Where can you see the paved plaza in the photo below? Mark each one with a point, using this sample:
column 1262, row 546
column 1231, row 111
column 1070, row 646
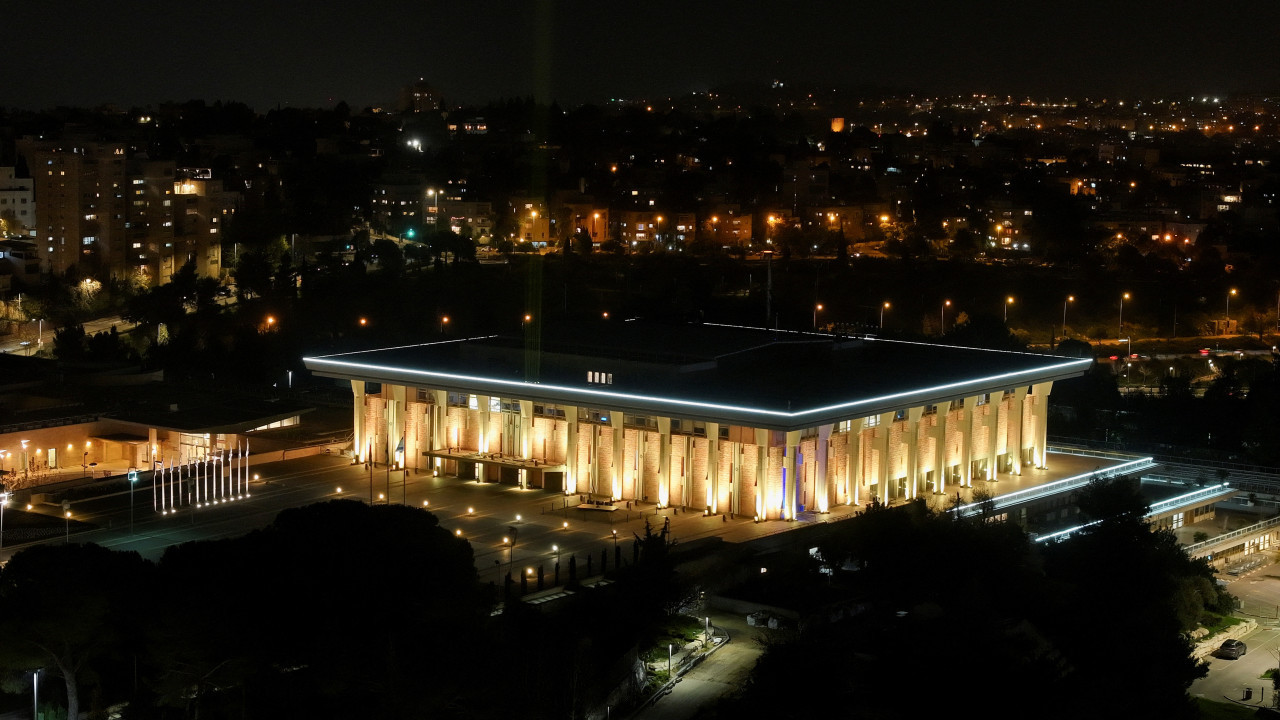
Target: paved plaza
column 484, row 513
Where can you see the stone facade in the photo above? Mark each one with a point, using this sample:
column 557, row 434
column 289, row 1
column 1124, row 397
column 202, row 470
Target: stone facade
column 702, row 464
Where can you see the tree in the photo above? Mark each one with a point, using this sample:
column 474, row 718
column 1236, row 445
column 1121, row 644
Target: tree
column 983, row 331
column 69, row 343
column 71, row 608
column 389, row 257
column 253, row 275
column 333, row 551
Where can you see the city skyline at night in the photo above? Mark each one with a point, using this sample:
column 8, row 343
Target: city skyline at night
column 576, row 52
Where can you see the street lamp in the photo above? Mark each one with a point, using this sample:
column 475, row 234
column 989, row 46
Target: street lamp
column 66, row 519
column 816, row 309
column 942, row 329
column 1070, row 299
column 444, row 320
column 4, row 500
column 883, row 307
column 1122, row 299
column 1007, row 302
column 1233, row 292
column 133, row 479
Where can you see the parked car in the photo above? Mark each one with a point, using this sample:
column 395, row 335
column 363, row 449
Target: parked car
column 1231, row 649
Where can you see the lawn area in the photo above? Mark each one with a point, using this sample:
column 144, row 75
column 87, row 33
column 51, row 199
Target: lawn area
column 1210, row 710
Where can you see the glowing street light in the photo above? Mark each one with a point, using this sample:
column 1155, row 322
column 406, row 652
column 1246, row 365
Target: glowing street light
column 444, row 320
column 133, row 480
column 4, row 500
column 883, row 307
column 942, row 328
column 1007, row 302
column 1070, row 299
column 1233, row 292
column 816, row 309
column 1120, row 331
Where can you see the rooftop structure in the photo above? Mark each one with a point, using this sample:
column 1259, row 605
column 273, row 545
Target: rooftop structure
column 714, row 417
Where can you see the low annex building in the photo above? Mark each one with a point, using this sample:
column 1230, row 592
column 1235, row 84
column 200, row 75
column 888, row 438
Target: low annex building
column 717, row 418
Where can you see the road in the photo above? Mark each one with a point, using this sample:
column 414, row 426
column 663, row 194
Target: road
column 722, row 673
column 13, row 343
column 1227, row 679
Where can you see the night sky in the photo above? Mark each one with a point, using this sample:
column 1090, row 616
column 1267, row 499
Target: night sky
column 265, row 52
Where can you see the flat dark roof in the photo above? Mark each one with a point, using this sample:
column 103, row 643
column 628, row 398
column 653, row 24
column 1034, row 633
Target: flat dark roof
column 774, row 379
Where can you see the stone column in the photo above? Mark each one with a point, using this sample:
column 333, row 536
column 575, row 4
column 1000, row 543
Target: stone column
column 913, row 460
column 713, row 466
column 762, row 474
column 992, row 423
column 619, row 448
column 821, row 491
column 439, row 423
column 1014, row 423
column 395, row 420
column 572, row 471
column 526, row 428
column 882, row 449
column 940, row 446
column 791, row 482
column 966, row 441
column 358, row 441
column 664, row 461
column 853, row 463
column 1040, row 412
column 484, row 417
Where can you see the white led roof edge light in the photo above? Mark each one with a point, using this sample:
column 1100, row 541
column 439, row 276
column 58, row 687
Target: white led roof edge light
column 875, row 338
column 1064, row 534
column 327, row 360
column 1053, row 488
column 403, row 347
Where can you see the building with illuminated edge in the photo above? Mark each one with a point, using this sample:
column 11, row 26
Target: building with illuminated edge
column 716, row 418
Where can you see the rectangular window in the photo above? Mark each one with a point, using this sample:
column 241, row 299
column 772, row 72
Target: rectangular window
column 553, row 411
column 495, row 404
column 871, row 421
column 640, row 421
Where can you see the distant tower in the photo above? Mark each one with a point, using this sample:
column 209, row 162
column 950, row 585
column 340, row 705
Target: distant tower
column 419, row 97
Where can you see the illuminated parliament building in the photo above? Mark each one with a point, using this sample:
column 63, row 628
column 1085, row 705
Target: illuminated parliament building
column 713, row 418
